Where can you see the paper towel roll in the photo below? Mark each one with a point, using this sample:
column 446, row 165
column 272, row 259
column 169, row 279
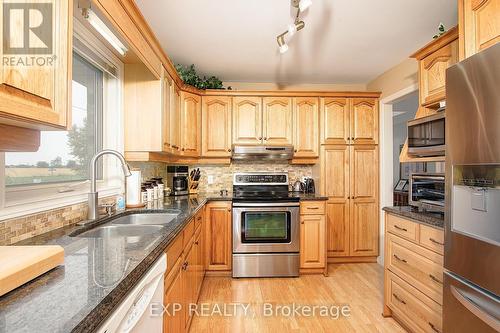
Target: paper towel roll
column 133, row 192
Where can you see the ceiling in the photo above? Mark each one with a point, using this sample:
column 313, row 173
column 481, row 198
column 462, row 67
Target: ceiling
column 344, row 41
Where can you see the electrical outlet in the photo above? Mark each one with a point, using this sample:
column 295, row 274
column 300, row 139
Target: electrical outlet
column 210, row 179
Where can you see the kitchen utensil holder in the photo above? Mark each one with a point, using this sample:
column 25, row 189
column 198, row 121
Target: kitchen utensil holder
column 193, row 186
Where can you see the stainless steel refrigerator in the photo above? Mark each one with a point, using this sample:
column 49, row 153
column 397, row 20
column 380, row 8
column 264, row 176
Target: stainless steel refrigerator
column 472, row 213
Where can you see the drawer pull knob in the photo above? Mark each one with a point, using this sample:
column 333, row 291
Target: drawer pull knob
column 435, row 241
column 434, row 328
column 400, row 228
column 196, row 243
column 398, row 299
column 398, row 258
column 435, row 278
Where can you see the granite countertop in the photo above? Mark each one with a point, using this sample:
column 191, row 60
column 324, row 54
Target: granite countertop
column 432, row 219
column 213, row 196
column 79, row 295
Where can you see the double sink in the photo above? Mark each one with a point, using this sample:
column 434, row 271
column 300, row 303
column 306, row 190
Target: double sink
column 132, row 225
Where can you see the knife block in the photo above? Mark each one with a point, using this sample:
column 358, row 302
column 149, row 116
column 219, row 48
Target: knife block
column 193, row 186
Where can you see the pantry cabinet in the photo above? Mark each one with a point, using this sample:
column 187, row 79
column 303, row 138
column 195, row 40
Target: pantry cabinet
column 216, row 126
column 277, row 121
column 306, row 124
column 190, row 124
column 35, row 88
column 364, row 121
column 335, row 121
column 247, row 120
column 479, row 24
column 218, row 224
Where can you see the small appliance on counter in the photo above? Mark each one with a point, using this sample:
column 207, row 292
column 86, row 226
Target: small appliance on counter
column 177, row 179
column 309, row 185
column 426, row 191
column 298, row 186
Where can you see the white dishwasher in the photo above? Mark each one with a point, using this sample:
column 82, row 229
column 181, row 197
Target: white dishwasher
column 134, row 313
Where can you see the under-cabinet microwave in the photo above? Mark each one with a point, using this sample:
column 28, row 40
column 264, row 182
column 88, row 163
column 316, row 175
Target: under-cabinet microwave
column 426, row 136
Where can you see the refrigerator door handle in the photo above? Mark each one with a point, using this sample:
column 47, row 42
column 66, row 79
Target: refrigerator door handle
column 490, row 319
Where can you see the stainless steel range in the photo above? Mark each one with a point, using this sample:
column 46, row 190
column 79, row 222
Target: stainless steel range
column 265, row 226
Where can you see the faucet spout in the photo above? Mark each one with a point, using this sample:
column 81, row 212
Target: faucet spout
column 94, row 195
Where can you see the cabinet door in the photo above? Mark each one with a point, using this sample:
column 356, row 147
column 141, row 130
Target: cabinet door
column 198, row 243
column 312, row 241
column 335, row 169
column 364, row 201
column 35, row 77
column 190, row 124
column 277, row 120
column 334, row 121
column 247, row 120
column 218, row 233
column 216, row 127
column 189, row 283
column 433, row 73
column 364, row 121
column 175, row 119
column 167, row 104
column 479, row 23
column 174, row 320
column 306, row 138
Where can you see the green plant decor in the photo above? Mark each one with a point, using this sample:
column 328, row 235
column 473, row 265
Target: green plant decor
column 441, row 31
column 189, row 76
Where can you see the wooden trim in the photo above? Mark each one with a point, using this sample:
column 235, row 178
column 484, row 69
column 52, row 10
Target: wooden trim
column 285, row 93
column 304, row 161
column 219, row 273
column 304, row 271
column 19, row 139
column 436, row 44
column 341, row 260
column 139, row 156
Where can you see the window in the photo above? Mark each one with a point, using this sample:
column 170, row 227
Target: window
column 64, row 155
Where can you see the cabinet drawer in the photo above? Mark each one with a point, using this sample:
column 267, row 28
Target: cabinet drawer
column 174, row 251
column 198, row 219
column 401, row 227
column 432, row 238
column 312, row 208
column 188, row 233
column 421, row 268
column 414, row 309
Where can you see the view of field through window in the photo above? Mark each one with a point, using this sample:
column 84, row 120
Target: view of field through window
column 64, row 155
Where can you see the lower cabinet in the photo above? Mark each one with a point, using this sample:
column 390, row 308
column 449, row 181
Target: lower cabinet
column 312, row 237
column 218, row 249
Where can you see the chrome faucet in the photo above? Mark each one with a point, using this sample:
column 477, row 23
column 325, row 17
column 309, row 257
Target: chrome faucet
column 93, row 210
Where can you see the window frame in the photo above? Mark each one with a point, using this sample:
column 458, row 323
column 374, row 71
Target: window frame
column 21, row 200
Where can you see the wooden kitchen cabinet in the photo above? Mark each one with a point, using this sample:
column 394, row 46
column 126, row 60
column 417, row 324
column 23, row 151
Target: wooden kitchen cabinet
column 364, row 121
column 247, row 120
column 167, row 95
column 175, row 119
column 38, row 97
column 479, row 25
column 218, row 221
column 312, row 241
column 306, row 134
column 190, row 124
column 335, row 121
column 216, row 126
column 277, row 120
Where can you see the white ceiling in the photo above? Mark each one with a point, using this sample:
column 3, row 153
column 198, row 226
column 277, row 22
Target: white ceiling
column 344, row 41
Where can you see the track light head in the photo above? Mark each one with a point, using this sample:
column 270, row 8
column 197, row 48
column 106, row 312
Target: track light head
column 304, row 4
column 282, row 44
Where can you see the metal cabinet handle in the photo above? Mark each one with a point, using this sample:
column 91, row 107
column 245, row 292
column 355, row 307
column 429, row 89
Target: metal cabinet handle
column 174, row 146
column 400, row 228
column 434, row 328
column 435, row 278
column 260, row 138
column 229, row 150
column 196, row 243
column 398, row 258
column 312, row 207
column 435, row 241
column 265, row 138
column 398, row 299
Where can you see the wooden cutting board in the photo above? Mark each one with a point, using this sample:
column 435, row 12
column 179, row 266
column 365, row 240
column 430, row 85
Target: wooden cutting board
column 20, row 264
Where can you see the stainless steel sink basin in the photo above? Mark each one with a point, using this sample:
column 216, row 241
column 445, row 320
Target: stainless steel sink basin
column 146, row 219
column 117, row 231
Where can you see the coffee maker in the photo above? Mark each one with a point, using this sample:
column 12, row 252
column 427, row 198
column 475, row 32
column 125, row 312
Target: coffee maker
column 177, row 179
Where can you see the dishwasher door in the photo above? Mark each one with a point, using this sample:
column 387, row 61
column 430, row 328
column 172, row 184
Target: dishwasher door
column 134, row 314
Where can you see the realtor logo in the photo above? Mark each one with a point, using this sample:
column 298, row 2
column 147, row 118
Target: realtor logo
column 27, row 28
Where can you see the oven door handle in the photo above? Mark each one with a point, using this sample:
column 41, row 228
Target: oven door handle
column 266, row 204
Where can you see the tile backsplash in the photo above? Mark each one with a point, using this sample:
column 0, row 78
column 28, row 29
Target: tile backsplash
column 150, row 169
column 223, row 174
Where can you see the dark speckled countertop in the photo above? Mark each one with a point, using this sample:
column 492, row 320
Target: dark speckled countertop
column 432, row 219
column 79, row 295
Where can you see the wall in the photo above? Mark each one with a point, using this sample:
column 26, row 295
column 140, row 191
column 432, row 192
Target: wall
column 294, row 87
column 223, row 174
column 395, row 79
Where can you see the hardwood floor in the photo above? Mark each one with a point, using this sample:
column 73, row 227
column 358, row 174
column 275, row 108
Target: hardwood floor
column 357, row 286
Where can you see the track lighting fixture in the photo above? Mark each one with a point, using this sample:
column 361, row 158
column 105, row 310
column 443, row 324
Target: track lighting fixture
column 297, row 25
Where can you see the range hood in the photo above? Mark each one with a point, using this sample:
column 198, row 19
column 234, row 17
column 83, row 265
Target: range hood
column 262, row 153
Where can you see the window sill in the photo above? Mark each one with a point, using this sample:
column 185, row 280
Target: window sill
column 19, row 208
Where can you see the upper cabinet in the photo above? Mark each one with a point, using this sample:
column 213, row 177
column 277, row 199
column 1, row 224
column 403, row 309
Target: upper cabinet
column 167, row 93
column 277, row 120
column 306, row 136
column 190, row 124
column 247, row 120
column 433, row 60
column 175, row 119
column 479, row 22
column 349, row 121
column 216, row 126
column 35, row 80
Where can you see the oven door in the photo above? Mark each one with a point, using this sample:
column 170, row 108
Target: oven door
column 266, row 229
